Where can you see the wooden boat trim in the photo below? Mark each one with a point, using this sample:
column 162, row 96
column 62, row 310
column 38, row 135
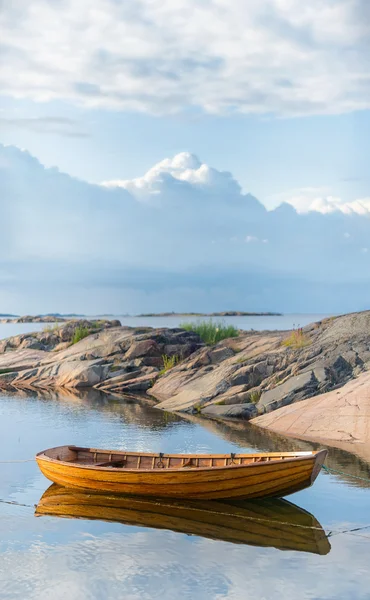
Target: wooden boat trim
column 247, row 475
column 268, row 459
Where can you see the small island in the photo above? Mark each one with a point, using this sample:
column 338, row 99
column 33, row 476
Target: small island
column 227, row 313
column 49, row 318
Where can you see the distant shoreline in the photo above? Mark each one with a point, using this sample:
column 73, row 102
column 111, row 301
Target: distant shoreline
column 230, row 313
column 58, row 318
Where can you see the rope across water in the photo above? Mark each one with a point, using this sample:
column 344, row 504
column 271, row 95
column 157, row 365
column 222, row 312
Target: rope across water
column 330, row 533
column 258, row 519
column 336, row 471
column 5, row 462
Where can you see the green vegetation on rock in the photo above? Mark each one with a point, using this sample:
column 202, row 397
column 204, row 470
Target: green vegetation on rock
column 168, row 363
column 297, row 339
column 211, row 332
column 255, row 397
column 80, row 333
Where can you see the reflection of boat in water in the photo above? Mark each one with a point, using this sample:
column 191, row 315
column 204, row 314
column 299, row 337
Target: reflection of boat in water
column 267, row 523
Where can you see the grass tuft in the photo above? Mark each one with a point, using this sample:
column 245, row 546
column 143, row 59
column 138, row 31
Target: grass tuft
column 168, row 363
column 255, row 397
column 50, row 328
column 211, row 332
column 80, row 333
column 98, row 324
column 297, row 339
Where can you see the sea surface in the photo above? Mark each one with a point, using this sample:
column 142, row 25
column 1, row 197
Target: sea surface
column 51, row 557
column 283, row 322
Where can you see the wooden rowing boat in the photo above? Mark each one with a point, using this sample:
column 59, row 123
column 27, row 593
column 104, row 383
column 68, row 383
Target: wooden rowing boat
column 270, row 523
column 195, row 476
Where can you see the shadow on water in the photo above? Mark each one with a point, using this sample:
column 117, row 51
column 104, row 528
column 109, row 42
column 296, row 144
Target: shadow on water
column 242, row 433
column 266, row 523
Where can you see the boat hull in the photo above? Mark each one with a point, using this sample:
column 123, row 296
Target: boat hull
column 276, row 478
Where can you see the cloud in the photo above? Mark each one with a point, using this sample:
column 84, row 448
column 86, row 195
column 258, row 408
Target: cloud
column 52, row 125
column 177, row 176
column 330, row 205
column 181, row 237
column 166, row 56
column 82, row 559
column 320, row 200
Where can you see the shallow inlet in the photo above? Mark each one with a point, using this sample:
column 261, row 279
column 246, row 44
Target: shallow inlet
column 80, row 554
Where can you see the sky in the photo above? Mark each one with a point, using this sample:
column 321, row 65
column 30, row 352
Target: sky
column 215, row 155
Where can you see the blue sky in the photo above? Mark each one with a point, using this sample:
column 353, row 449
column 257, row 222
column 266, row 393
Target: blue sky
column 269, row 157
column 181, row 109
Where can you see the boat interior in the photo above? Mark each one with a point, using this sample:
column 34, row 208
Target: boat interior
column 148, row 461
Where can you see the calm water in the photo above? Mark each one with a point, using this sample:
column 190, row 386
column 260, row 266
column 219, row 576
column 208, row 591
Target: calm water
column 257, row 323
column 79, row 559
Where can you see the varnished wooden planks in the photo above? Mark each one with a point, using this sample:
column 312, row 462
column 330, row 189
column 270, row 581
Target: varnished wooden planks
column 251, row 476
column 186, row 476
column 244, row 488
column 276, row 475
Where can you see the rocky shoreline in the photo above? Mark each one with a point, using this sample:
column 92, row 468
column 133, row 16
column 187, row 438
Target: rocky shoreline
column 57, row 318
column 239, row 378
column 36, row 319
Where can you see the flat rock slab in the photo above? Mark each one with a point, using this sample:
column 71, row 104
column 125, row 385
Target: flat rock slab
column 286, row 392
column 340, row 417
column 211, row 373
column 22, row 359
column 231, row 411
column 96, row 345
column 124, row 359
column 69, row 374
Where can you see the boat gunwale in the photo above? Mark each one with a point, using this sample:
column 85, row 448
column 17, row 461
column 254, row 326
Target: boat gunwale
column 290, row 457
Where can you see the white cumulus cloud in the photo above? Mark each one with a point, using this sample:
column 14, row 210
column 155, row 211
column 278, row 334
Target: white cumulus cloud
column 284, row 57
column 181, row 233
column 321, row 200
column 184, row 168
column 330, row 205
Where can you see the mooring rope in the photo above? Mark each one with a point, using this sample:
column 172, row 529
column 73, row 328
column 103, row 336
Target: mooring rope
column 4, row 462
column 15, row 503
column 329, row 533
column 245, row 517
column 352, row 531
column 330, row 470
column 222, row 514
